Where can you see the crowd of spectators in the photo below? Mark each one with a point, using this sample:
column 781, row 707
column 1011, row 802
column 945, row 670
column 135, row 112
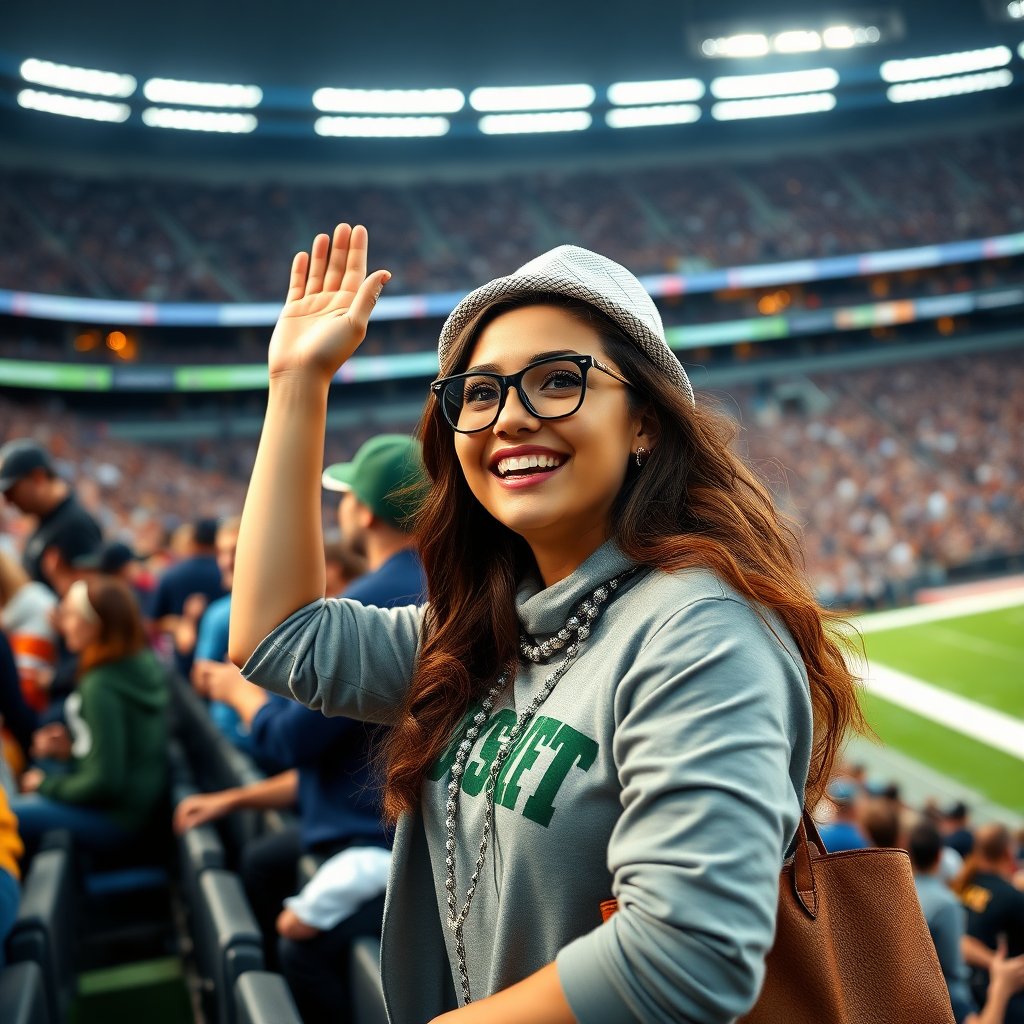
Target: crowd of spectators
column 172, row 241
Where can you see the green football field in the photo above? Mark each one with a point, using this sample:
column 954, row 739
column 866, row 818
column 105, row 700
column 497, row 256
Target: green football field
column 980, row 657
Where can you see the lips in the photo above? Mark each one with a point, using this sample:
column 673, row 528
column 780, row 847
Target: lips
column 525, row 461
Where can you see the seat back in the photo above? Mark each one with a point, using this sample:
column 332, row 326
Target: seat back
column 231, row 941
column 367, row 991
column 22, row 994
column 44, row 931
column 263, row 998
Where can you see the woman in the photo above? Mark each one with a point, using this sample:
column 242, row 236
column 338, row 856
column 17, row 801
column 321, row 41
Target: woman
column 620, row 688
column 26, row 617
column 117, row 731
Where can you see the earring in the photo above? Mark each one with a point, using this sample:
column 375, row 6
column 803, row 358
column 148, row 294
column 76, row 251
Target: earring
column 641, row 456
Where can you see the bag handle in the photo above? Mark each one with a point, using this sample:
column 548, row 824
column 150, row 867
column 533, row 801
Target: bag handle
column 803, row 864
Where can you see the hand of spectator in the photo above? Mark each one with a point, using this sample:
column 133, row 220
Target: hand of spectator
column 193, row 608
column 32, row 780
column 224, row 682
column 328, row 305
column 1006, row 974
column 203, row 670
column 291, row 926
column 53, row 741
column 200, row 808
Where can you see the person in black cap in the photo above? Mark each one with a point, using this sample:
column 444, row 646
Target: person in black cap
column 65, row 532
column 115, row 558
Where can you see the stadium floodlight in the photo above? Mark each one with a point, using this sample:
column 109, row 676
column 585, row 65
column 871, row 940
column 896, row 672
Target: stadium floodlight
column 736, row 87
column 522, row 124
column 748, row 44
column 1015, row 10
column 797, row 41
column 381, row 127
column 73, row 106
column 63, row 76
column 202, row 94
column 644, row 117
column 677, row 90
column 773, row 106
column 532, row 97
column 389, row 101
column 199, row 120
column 843, row 37
column 960, row 85
column 913, row 68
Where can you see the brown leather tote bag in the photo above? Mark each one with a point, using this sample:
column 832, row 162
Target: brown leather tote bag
column 851, row 944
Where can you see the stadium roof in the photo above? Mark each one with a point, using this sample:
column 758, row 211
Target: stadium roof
column 288, row 51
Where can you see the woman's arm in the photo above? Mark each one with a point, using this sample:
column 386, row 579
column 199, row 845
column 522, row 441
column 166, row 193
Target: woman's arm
column 538, row 999
column 279, row 565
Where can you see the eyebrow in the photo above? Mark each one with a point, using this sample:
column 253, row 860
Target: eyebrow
column 493, row 367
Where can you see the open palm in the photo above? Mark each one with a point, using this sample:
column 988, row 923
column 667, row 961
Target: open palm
column 328, row 306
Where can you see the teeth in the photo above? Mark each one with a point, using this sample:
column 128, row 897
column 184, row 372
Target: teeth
column 513, row 465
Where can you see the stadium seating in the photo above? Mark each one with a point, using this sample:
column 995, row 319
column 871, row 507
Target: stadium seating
column 44, row 932
column 23, row 995
column 367, row 992
column 263, row 998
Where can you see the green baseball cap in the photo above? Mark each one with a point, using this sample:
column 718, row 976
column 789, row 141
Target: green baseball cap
column 386, row 475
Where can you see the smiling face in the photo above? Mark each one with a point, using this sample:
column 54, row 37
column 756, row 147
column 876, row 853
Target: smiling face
column 551, row 481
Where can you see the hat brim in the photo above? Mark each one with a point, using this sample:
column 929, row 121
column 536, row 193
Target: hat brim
column 338, row 477
column 6, row 483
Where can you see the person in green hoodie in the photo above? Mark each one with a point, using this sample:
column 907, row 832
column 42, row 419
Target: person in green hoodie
column 116, row 733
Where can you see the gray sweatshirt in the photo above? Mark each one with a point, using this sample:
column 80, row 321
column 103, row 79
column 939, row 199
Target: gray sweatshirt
column 666, row 769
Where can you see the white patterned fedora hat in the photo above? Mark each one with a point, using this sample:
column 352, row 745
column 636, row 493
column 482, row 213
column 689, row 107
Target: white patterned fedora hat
column 590, row 277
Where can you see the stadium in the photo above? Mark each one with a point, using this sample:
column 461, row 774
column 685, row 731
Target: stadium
column 826, row 208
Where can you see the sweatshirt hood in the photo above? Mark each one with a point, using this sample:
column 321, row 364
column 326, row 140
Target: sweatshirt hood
column 139, row 678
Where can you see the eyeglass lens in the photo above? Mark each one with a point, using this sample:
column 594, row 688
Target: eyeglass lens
column 552, row 390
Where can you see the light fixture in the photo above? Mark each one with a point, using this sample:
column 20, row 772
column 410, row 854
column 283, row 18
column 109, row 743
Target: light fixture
column 73, row 106
column 521, row 124
column 642, row 117
column 1015, row 9
column 532, row 97
column 381, row 127
column 842, row 37
column 199, row 120
column 202, row 94
column 797, row 41
column 936, row 88
column 747, row 44
column 773, row 106
column 678, row 90
column 945, row 64
column 389, row 101
column 730, row 87
column 63, row 76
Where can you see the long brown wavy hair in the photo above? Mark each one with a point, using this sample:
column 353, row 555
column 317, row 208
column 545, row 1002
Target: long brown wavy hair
column 122, row 632
column 695, row 504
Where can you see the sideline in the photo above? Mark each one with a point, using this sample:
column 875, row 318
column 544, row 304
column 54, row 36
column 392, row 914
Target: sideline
column 878, row 622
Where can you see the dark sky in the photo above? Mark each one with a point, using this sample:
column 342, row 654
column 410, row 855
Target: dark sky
column 400, row 43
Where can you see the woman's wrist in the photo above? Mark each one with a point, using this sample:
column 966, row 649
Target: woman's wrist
column 300, row 382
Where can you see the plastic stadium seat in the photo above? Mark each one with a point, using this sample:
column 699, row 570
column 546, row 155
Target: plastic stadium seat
column 231, row 942
column 45, row 929
column 22, row 996
column 263, row 998
column 367, row 992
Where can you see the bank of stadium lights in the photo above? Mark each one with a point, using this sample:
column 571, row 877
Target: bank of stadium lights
column 758, row 44
column 774, row 95
column 72, row 79
column 523, row 124
column 389, row 101
column 393, row 127
column 537, row 108
column 199, row 120
column 643, row 104
column 947, row 74
column 73, row 106
column 202, row 94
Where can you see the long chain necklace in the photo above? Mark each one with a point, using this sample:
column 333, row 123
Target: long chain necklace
column 570, row 636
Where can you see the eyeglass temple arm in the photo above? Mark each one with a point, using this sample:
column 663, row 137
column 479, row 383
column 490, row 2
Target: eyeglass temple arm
column 612, row 373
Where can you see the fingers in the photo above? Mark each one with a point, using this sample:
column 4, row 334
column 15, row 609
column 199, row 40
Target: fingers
column 318, row 264
column 366, row 298
column 355, row 263
column 339, row 254
column 297, row 281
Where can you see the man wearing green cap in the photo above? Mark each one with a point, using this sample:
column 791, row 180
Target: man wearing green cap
column 381, row 488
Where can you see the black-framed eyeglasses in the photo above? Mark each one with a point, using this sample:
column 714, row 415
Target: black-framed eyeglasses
column 549, row 388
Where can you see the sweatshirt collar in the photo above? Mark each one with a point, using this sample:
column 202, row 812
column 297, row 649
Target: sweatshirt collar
column 543, row 610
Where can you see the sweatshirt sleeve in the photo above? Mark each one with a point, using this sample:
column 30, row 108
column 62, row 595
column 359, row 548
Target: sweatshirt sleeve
column 99, row 777
column 712, row 741
column 341, row 657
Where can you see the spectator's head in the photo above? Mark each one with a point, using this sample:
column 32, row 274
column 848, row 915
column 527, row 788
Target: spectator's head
column 28, row 479
column 343, row 566
column 204, row 537
column 227, row 543
column 12, row 578
column 994, row 849
column 381, row 489
column 112, row 558
column 101, row 622
column 881, row 821
column 956, row 817
column 925, row 847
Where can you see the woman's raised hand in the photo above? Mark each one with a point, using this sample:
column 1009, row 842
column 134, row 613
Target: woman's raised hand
column 329, row 303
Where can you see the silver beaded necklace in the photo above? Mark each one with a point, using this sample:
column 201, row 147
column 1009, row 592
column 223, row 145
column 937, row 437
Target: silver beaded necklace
column 570, row 636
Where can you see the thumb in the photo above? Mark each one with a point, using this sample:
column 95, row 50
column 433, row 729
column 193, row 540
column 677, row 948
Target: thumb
column 366, row 298
column 1001, row 947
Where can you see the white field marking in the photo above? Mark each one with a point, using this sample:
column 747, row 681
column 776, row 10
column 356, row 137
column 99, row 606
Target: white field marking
column 954, row 609
column 977, row 644
column 994, row 728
